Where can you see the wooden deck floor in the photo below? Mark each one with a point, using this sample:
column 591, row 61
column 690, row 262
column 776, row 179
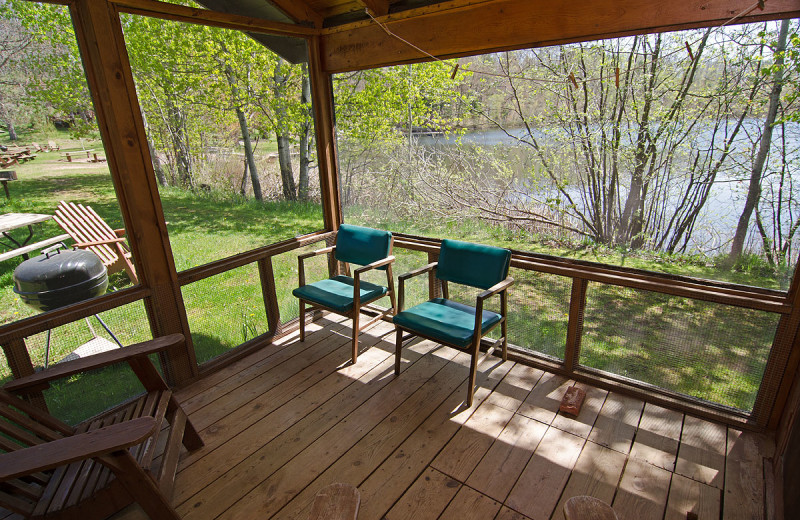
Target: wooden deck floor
column 289, row 420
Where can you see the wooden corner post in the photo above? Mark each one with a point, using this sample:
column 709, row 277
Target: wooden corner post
column 108, row 72
column 327, row 155
column 325, row 127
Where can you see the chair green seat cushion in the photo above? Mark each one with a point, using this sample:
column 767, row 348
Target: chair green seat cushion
column 336, row 293
column 445, row 320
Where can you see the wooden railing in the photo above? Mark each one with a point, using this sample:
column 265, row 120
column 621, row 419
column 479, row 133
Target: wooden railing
column 580, row 273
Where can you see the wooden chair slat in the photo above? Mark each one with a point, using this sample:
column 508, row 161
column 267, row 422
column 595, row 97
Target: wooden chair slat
column 16, row 503
column 95, row 474
column 36, row 414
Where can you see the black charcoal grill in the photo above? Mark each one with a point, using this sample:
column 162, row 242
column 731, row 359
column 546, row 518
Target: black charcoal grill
column 58, row 277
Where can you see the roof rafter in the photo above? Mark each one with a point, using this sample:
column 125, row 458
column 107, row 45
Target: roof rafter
column 299, row 11
column 376, row 7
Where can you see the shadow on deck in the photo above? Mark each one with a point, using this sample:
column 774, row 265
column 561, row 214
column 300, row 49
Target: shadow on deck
column 290, row 419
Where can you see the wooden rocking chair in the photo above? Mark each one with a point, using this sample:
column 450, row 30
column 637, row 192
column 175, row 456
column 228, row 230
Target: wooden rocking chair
column 50, row 469
column 91, row 232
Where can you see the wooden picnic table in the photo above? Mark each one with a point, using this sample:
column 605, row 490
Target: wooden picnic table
column 7, row 176
column 12, row 221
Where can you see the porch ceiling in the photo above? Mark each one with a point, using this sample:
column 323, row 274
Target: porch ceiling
column 358, row 34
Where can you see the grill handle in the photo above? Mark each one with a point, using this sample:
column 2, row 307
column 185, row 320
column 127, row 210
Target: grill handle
column 54, row 248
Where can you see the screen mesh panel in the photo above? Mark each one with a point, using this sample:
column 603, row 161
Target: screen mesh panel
column 82, row 396
column 538, row 312
column 225, row 311
column 710, row 351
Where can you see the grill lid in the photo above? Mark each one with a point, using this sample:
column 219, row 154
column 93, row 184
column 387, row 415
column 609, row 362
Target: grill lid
column 60, row 277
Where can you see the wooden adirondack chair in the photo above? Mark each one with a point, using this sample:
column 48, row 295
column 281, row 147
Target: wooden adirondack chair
column 50, row 469
column 91, row 232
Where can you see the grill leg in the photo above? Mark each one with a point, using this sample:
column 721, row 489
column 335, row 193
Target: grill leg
column 47, row 349
column 108, row 330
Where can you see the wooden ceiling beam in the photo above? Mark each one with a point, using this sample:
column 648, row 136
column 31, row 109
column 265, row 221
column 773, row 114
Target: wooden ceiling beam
column 376, row 7
column 181, row 13
column 516, row 24
column 299, row 11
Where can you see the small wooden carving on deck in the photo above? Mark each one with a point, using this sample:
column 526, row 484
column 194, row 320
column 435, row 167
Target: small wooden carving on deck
column 572, row 401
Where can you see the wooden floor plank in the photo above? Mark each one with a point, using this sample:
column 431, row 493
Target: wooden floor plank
column 285, row 423
column 515, row 387
column 642, row 493
column 689, row 496
column 539, row 487
column 658, row 437
column 468, row 503
column 226, row 446
column 426, row 499
column 388, row 482
column 509, row 514
column 472, row 441
column 583, row 423
column 616, row 425
column 274, row 491
column 373, row 449
column 701, row 455
column 744, row 476
column 229, row 488
column 543, row 401
column 287, row 363
column 597, row 474
column 502, row 465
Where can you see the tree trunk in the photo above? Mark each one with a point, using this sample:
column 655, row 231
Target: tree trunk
column 284, row 154
column 248, row 154
column 158, row 168
column 754, row 190
column 305, row 137
column 12, row 131
column 285, row 162
column 244, row 185
column 248, row 145
column 180, row 146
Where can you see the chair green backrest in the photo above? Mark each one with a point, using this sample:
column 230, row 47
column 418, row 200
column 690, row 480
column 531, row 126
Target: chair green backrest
column 470, row 264
column 361, row 245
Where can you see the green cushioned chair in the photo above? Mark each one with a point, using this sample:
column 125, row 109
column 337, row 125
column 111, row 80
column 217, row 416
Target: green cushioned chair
column 346, row 295
column 455, row 324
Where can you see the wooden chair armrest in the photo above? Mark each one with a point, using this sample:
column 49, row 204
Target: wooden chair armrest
column 121, row 232
column 77, row 447
column 374, row 265
column 417, row 272
column 496, row 288
column 401, row 282
column 99, row 242
column 301, row 271
column 66, row 369
column 318, row 252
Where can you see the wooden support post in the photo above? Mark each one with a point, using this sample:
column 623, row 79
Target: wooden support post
column 19, row 361
column 102, row 45
column 434, row 290
column 577, row 305
column 270, row 294
column 324, row 125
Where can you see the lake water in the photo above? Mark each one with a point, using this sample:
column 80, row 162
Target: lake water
column 718, row 218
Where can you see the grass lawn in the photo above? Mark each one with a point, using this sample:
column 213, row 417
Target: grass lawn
column 675, row 343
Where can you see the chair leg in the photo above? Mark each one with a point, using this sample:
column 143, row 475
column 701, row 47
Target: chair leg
column 141, row 486
column 504, row 329
column 355, row 335
column 302, row 320
column 398, row 346
column 473, row 372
